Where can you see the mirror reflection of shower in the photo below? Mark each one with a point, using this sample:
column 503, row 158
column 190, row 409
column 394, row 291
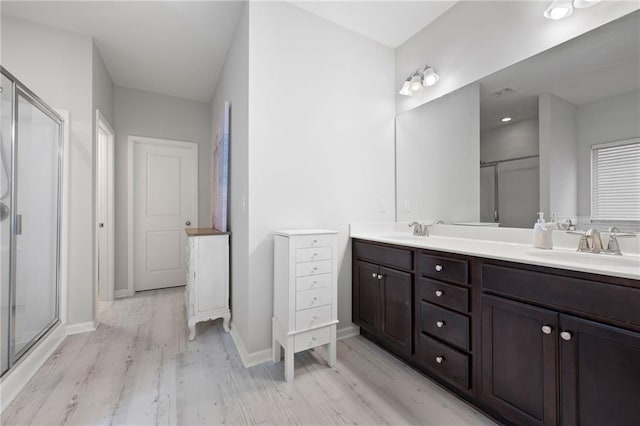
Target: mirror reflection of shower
column 4, row 208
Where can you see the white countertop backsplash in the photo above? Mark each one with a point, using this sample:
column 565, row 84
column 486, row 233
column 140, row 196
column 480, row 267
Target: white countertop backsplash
column 510, row 244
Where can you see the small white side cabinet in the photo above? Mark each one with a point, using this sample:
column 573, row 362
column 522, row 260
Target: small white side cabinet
column 207, row 292
column 305, row 294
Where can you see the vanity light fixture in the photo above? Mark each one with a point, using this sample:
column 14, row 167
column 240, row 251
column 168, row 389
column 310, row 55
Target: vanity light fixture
column 505, row 119
column 418, row 80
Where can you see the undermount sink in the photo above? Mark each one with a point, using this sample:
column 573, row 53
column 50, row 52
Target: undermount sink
column 591, row 258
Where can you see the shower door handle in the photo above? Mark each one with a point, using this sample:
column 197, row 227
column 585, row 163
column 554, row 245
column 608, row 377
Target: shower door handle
column 18, row 224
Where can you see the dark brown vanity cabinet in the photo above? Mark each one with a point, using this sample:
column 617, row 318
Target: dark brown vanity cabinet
column 382, row 302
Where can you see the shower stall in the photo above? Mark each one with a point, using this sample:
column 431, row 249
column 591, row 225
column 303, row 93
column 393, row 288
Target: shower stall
column 30, row 219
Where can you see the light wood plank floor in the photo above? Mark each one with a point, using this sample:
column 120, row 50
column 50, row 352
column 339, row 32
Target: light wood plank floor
column 138, row 368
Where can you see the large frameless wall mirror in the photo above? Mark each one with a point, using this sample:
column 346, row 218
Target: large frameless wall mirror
column 30, row 213
column 522, row 140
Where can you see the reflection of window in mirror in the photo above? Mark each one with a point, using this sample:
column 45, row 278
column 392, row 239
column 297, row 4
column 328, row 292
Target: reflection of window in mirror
column 615, row 181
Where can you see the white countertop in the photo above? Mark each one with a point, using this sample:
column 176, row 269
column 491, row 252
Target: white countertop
column 512, row 248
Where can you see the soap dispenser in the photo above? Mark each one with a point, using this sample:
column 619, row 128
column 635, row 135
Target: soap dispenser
column 542, row 234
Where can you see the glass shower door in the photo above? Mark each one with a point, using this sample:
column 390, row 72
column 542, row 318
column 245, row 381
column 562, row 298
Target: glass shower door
column 36, row 223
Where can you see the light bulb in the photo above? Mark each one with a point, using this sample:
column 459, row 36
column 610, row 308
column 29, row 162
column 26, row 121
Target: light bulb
column 416, row 83
column 406, row 88
column 558, row 9
column 505, row 119
column 430, row 77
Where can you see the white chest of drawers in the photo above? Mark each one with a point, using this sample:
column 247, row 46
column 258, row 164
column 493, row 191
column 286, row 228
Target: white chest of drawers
column 305, row 294
column 207, row 291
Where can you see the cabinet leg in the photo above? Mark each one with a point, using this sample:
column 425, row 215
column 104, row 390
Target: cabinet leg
column 225, row 322
column 288, row 360
column 331, row 350
column 192, row 329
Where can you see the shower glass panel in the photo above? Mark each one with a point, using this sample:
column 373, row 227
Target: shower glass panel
column 30, row 212
column 6, row 112
column 36, row 209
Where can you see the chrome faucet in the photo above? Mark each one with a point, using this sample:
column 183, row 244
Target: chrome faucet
column 419, row 229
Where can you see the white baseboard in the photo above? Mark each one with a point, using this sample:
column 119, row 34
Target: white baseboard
column 121, row 293
column 348, row 331
column 81, row 327
column 13, row 382
column 249, row 359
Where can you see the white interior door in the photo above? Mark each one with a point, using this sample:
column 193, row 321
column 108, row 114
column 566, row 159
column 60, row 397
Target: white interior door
column 164, row 202
column 105, row 210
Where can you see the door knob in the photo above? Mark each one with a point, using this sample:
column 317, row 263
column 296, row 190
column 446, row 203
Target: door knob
column 188, row 223
column 101, row 225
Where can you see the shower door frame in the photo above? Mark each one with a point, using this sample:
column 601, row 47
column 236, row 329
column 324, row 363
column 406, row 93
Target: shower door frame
column 19, row 89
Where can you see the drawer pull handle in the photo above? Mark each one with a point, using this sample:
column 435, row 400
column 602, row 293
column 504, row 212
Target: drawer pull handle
column 546, row 329
column 439, row 293
column 374, row 275
column 566, row 335
column 439, row 324
column 438, row 268
column 439, row 359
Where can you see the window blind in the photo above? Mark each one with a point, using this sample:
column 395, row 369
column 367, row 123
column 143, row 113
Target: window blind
column 615, row 185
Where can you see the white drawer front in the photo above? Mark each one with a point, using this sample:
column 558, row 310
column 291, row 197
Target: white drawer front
column 313, row 317
column 313, row 254
column 312, row 298
column 311, row 339
column 313, row 268
column 313, row 281
column 304, row 241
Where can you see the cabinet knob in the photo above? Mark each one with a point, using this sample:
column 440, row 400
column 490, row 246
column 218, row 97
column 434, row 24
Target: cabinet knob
column 314, row 255
column 546, row 329
column 188, row 223
column 314, row 283
column 439, row 359
column 315, row 241
column 439, row 324
column 439, row 293
column 380, row 276
column 374, row 275
column 438, row 268
column 566, row 335
column 315, row 268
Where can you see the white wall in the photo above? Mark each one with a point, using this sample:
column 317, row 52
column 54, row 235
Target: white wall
column 152, row 115
column 56, row 65
column 558, row 162
column 476, row 38
column 233, row 86
column 321, row 112
column 510, row 141
column 438, row 159
column 103, row 88
column 610, row 119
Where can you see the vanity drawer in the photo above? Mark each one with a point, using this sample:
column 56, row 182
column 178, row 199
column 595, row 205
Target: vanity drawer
column 304, row 241
column 312, row 298
column 381, row 255
column 445, row 324
column 444, row 361
column 593, row 298
column 313, row 281
column 311, row 339
column 313, row 317
column 313, row 268
column 443, row 268
column 312, row 254
column 449, row 296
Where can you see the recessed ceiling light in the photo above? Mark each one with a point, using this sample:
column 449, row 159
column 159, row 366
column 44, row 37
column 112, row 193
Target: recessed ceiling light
column 505, row 119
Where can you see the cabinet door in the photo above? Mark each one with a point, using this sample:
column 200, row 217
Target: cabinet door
column 600, row 374
column 396, row 309
column 519, row 361
column 367, row 297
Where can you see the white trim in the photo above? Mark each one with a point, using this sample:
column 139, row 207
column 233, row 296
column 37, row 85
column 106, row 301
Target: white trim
column 249, row 359
column 81, row 327
column 64, row 232
column 119, row 294
column 107, row 293
column 348, row 331
column 131, row 140
column 15, row 379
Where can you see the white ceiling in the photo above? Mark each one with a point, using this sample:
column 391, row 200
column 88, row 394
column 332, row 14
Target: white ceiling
column 388, row 22
column 175, row 48
column 604, row 62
